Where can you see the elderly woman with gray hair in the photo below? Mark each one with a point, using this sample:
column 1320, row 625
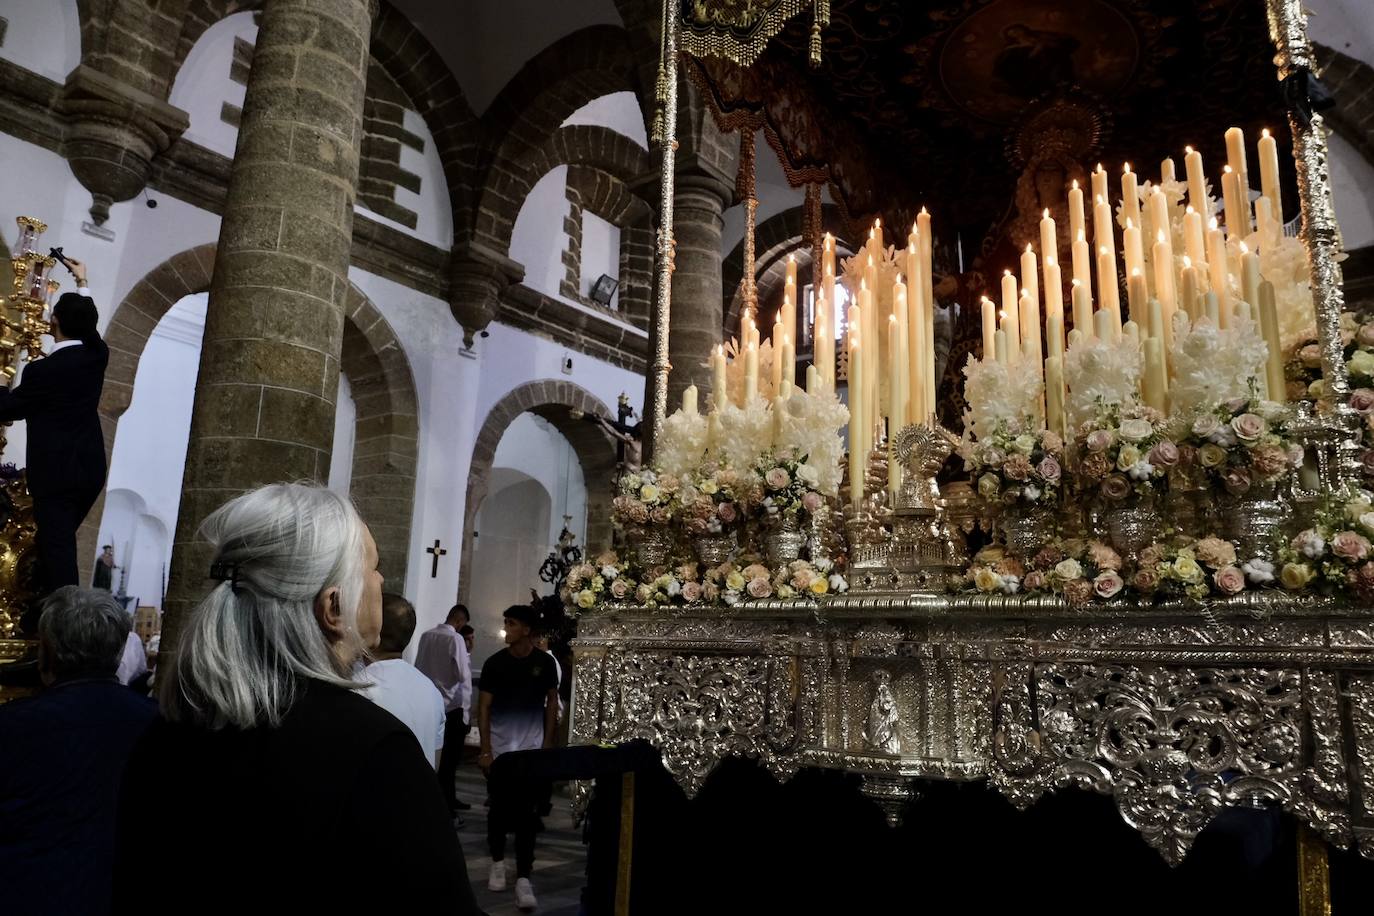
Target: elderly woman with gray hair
column 270, row 783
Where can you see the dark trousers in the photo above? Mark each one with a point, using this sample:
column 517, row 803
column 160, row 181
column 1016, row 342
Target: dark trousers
column 58, row 516
column 514, row 809
column 455, row 733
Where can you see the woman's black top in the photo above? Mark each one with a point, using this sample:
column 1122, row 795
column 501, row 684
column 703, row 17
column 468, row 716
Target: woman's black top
column 336, row 808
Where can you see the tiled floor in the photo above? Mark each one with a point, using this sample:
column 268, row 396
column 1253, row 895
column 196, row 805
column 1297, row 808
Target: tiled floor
column 559, row 857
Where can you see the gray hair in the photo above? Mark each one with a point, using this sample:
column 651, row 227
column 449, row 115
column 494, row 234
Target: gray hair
column 83, row 631
column 254, row 639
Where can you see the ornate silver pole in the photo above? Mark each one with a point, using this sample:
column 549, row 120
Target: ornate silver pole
column 657, row 406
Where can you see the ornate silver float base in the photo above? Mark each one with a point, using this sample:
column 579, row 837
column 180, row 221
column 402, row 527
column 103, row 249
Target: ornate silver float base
column 1175, row 711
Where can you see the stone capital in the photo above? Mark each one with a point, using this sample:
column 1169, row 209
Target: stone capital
column 114, row 132
column 478, row 275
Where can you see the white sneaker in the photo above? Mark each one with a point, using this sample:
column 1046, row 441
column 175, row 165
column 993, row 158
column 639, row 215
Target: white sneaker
column 524, row 894
column 496, row 876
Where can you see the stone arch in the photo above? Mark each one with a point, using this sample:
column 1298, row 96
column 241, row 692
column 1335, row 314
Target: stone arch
column 610, row 198
column 554, row 401
column 531, row 108
column 387, row 426
column 774, row 238
column 1351, row 83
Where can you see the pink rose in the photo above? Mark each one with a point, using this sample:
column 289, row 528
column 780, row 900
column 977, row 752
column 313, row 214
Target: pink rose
column 1164, row 454
column 1049, row 469
column 812, row 501
column 1229, row 580
column 726, row 512
column 1152, row 555
column 1116, row 487
column 1034, row 581
column 1350, row 546
column 691, row 592
column 619, row 589
column 1362, row 400
column 1108, row 584
column 1237, row 480
column 1099, row 440
column 1103, row 556
column 760, row 587
column 1145, row 580
column 777, row 478
column 1248, row 427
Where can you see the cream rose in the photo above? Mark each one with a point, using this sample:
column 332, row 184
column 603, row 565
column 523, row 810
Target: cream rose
column 1068, row 569
column 1296, row 575
column 1136, row 430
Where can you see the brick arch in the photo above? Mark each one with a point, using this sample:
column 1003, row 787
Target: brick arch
column 531, row 108
column 554, row 401
column 774, row 239
column 611, row 199
column 387, row 427
column 509, row 183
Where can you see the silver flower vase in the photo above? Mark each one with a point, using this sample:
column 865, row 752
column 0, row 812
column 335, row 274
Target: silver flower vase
column 1026, row 530
column 1131, row 527
column 783, row 544
column 651, row 546
column 715, row 549
column 1253, row 521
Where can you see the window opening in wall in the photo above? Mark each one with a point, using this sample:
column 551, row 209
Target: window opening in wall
column 809, row 314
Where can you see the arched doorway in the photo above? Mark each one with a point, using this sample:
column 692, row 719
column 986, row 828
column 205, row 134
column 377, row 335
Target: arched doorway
column 385, row 427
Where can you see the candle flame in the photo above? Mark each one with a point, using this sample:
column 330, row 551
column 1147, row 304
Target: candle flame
column 1189, row 209
column 1213, row 224
column 1226, row 169
column 1127, row 169
column 1077, row 282
column 1075, row 184
column 1129, row 223
column 1188, row 150
column 1187, row 262
column 1006, row 273
column 1024, row 291
column 720, row 350
column 1099, row 167
column 1029, row 249
column 1103, row 249
column 1264, row 133
column 791, row 258
column 1002, row 313
column 863, row 284
column 870, row 259
column 1051, row 261
column 899, row 278
column 878, row 222
column 1098, row 199
column 1046, row 214
column 786, row 340
column 1244, row 249
column 892, row 320
column 1159, row 236
column 1081, row 236
column 1135, row 271
column 911, row 248
column 870, row 235
column 923, row 212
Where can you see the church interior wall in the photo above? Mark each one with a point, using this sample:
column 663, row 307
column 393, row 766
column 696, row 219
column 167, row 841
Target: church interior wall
column 539, row 239
column 1352, row 191
column 43, row 36
column 619, row 111
column 204, row 87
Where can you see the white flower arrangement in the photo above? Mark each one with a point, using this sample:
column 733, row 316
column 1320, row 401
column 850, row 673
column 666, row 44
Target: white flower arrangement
column 999, row 395
column 1286, row 266
column 745, row 434
column 1212, row 365
column 734, row 371
column 1098, row 373
column 684, row 442
column 810, row 427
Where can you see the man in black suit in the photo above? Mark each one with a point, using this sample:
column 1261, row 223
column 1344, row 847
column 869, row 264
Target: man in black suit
column 59, row 396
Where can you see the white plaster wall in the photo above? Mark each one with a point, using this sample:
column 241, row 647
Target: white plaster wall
column 1346, row 25
column 345, row 436
column 1352, row 190
column 202, row 85
column 432, row 208
column 600, row 253
column 619, row 111
column 538, row 240
column 43, row 36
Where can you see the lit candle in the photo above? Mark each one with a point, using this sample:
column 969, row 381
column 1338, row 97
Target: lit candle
column 1137, row 296
column 1237, row 226
column 989, row 328
column 1264, row 224
column 877, row 234
column 1159, row 214
column 857, row 459
column 1130, row 196
column 1216, row 268
column 928, row 307
column 1192, row 236
column 775, row 370
column 1166, row 169
column 1164, row 286
column 1029, row 325
column 1269, row 327
column 822, row 339
column 1102, row 225
column 916, row 335
column 719, row 390
column 1249, row 275
column 1054, row 295
column 689, row 400
column 1269, row 175
column 1054, row 395
column 789, row 298
column 1099, row 178
column 1082, row 261
column 1134, row 248
column 1054, row 334
column 751, row 374
column 789, row 362
column 832, row 310
column 1011, row 316
column 896, row 410
column 1197, row 182
column 1077, row 222
column 1108, row 297
column 1155, row 379
column 1082, row 310
column 1049, row 240
column 1187, row 290
column 1235, row 158
column 1030, row 275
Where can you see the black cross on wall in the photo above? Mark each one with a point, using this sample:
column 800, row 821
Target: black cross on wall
column 438, row 552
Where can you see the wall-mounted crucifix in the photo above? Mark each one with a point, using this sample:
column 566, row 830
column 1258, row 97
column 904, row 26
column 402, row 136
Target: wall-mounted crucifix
column 438, row 552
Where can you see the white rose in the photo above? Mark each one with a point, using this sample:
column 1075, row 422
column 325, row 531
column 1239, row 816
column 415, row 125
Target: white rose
column 1137, row 430
column 1024, row 444
column 1069, row 569
column 808, row 475
column 1367, row 521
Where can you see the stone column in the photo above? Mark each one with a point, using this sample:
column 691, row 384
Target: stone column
column 695, row 322
column 269, row 367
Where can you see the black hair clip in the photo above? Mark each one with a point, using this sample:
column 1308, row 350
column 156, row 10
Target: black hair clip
column 225, row 572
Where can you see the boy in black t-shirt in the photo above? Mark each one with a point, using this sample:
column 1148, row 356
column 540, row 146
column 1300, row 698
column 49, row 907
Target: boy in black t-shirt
column 517, row 710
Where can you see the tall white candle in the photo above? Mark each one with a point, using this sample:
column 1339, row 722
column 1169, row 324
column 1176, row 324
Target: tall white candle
column 1235, row 158
column 1237, row 220
column 1103, row 236
column 1166, row 169
column 989, row 328
column 1054, row 295
column 775, row 369
column 789, row 298
column 1269, row 327
column 1078, row 226
column 689, row 400
column 1030, row 274
column 1082, row 261
column 1082, row 309
column 1192, row 236
column 1164, row 286
column 788, row 358
column 927, row 249
column 1099, row 179
column 1003, row 356
column 1197, row 182
column 751, row 374
column 1269, row 175
column 1049, row 240
column 1130, row 196
column 1249, row 275
column 1218, row 276
column 857, row 457
column 719, row 390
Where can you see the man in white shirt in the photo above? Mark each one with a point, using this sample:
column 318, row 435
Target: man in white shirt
column 443, row 657
column 396, row 686
column 133, row 661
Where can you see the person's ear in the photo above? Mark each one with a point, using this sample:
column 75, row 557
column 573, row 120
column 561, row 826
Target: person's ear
column 329, row 614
